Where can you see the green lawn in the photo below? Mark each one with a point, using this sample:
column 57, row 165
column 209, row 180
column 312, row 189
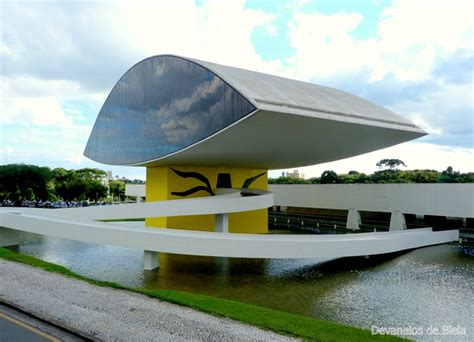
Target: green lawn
column 281, row 322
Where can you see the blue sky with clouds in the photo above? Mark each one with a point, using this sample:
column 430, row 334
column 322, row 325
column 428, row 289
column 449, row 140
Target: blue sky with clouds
column 59, row 60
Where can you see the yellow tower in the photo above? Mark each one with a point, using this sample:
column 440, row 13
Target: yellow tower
column 178, row 182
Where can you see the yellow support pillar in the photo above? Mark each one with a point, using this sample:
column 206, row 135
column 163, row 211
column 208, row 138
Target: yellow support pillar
column 165, row 184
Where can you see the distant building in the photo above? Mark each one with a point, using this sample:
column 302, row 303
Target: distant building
column 107, row 178
column 294, row 174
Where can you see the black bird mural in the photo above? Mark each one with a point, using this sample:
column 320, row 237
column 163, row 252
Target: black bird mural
column 250, row 180
column 207, row 185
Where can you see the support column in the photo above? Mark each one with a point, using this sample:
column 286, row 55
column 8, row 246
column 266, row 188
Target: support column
column 151, row 260
column 222, row 223
column 166, row 183
column 397, row 221
column 9, row 237
column 353, row 219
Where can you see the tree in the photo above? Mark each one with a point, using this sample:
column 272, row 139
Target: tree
column 287, row 180
column 20, row 182
column 328, row 177
column 352, row 177
column 387, row 176
column 450, row 176
column 91, row 174
column 94, row 190
column 392, row 164
column 117, row 189
column 82, row 184
column 67, row 184
column 420, row 176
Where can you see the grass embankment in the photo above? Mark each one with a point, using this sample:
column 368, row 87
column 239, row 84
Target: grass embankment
column 277, row 321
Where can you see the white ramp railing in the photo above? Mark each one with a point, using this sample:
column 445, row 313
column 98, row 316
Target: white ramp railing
column 78, row 224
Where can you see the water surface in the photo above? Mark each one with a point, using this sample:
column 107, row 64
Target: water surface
column 429, row 286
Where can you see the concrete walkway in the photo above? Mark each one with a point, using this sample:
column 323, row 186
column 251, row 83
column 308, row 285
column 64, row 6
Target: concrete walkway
column 110, row 314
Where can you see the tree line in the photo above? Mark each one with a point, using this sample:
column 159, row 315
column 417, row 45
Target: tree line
column 389, row 173
column 20, row 182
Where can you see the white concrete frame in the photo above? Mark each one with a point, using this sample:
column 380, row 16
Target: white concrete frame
column 77, row 224
column 456, row 200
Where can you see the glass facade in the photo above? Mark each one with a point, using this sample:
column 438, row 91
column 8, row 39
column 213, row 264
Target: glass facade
column 162, row 105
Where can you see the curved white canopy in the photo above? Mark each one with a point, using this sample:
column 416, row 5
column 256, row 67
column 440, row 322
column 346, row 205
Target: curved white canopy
column 171, row 110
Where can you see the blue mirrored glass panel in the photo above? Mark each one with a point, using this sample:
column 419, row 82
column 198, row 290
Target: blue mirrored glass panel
column 162, row 105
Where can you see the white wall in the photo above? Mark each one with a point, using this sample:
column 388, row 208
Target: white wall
column 422, row 199
column 455, row 200
column 135, row 190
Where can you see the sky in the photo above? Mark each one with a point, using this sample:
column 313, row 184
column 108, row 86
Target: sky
column 60, row 59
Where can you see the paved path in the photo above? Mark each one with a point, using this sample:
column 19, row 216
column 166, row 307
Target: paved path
column 110, row 314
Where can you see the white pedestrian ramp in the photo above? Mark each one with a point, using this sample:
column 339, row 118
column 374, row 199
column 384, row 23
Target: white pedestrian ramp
column 79, row 224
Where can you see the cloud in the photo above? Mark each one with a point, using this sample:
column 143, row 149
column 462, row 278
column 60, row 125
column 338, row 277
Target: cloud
column 37, row 111
column 94, row 43
column 418, row 120
column 57, row 53
column 448, row 110
column 431, row 30
column 417, row 62
column 7, row 152
column 83, row 48
column 271, row 30
column 73, row 41
column 323, row 44
column 411, row 37
column 38, row 101
column 295, row 4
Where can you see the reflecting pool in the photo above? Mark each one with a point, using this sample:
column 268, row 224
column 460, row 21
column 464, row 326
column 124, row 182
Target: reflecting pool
column 432, row 286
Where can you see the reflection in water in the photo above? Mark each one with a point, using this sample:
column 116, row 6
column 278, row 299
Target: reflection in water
column 429, row 286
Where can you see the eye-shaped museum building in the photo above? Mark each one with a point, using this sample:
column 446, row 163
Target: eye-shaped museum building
column 199, row 126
